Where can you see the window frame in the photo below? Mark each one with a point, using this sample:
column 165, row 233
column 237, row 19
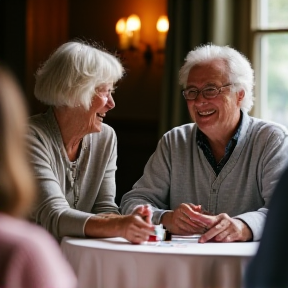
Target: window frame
column 260, row 91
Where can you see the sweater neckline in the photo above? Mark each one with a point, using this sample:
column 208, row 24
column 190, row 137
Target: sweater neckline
column 53, row 125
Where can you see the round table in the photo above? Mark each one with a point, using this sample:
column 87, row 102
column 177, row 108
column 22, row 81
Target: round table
column 180, row 263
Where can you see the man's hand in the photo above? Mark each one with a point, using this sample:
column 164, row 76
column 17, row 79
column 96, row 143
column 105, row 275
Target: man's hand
column 223, row 228
column 189, row 219
column 181, row 220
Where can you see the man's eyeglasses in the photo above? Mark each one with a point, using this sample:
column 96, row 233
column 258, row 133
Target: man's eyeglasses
column 208, row 92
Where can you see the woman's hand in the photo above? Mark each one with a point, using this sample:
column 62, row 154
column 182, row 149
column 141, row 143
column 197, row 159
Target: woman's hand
column 144, row 211
column 131, row 227
column 135, row 229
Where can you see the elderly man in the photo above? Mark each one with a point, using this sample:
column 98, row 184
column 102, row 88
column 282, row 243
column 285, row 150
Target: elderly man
column 215, row 176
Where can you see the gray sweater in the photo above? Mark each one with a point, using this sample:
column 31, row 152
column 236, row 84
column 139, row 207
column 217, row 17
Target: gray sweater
column 94, row 173
column 178, row 172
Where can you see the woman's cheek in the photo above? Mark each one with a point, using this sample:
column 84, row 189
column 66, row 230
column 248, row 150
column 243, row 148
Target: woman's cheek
column 103, row 101
column 99, row 102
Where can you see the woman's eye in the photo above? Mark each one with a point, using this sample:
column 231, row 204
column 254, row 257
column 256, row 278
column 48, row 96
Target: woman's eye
column 112, row 91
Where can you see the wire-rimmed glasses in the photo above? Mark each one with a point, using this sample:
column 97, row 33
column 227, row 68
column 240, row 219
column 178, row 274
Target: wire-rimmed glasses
column 207, row 92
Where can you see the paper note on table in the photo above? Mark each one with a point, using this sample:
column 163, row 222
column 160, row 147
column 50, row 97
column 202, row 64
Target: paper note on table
column 176, row 241
column 186, row 237
column 179, row 241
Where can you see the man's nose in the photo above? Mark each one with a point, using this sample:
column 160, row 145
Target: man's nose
column 200, row 96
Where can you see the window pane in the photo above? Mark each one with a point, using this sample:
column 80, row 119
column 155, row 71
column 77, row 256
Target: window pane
column 274, row 77
column 274, row 14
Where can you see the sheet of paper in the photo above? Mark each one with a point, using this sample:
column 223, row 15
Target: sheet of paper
column 186, row 237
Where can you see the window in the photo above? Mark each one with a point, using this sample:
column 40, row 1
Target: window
column 270, row 59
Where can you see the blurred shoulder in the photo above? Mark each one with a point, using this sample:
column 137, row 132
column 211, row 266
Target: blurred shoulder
column 21, row 233
column 34, row 252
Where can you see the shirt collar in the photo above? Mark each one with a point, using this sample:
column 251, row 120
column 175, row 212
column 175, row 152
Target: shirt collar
column 201, row 138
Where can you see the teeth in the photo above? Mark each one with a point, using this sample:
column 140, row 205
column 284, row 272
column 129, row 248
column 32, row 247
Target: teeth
column 206, row 112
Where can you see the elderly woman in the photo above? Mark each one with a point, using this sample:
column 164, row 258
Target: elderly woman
column 73, row 152
column 29, row 256
column 226, row 163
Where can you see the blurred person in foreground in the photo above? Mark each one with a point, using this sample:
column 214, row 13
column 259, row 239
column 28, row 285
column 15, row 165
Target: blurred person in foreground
column 73, row 152
column 269, row 267
column 29, row 256
column 226, row 164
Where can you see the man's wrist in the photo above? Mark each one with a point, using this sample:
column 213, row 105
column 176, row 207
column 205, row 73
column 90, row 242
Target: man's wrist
column 247, row 233
column 166, row 219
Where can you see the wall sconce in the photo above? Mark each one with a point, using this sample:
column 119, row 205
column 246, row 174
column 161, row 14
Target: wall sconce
column 162, row 27
column 128, row 31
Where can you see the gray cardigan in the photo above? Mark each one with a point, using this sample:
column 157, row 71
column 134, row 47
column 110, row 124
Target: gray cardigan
column 178, row 172
column 94, row 169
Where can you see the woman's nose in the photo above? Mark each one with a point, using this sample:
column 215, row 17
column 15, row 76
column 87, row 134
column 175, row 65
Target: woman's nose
column 110, row 103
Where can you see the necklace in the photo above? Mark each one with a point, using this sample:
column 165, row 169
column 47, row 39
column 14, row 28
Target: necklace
column 73, row 175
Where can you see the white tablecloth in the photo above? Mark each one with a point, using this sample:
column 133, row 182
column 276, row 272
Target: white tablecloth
column 115, row 263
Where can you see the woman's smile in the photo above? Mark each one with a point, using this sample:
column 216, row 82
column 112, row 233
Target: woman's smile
column 100, row 116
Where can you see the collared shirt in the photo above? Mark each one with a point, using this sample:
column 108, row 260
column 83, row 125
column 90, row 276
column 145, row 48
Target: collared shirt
column 203, row 143
column 174, row 174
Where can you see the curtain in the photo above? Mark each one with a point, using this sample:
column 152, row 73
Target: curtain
column 46, row 29
column 192, row 23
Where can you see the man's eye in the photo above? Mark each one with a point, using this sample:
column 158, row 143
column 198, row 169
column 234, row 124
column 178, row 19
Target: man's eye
column 191, row 92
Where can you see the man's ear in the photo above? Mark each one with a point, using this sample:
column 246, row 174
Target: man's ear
column 240, row 95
